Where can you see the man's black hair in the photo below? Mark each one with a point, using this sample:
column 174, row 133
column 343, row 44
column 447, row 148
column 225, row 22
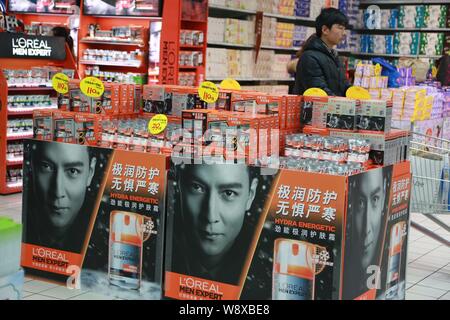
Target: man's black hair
column 328, row 17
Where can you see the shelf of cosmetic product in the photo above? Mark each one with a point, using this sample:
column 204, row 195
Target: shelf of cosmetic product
column 252, row 79
column 28, row 111
column 128, row 17
column 19, row 136
column 112, row 42
column 14, row 161
column 272, row 15
column 403, row 2
column 30, row 87
column 405, row 30
column 397, row 55
column 136, row 64
column 12, row 187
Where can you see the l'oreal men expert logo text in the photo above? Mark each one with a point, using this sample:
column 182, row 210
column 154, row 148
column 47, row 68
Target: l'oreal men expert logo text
column 31, row 47
column 200, row 288
column 50, row 257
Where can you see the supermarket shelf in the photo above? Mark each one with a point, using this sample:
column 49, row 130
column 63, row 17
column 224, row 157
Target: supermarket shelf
column 184, row 46
column 231, row 45
column 292, row 18
column 222, row 8
column 16, row 89
column 19, row 136
column 109, row 42
column 395, row 55
column 127, row 17
column 29, row 111
column 280, row 48
column 403, row 2
column 188, row 67
column 253, row 12
column 14, row 162
column 112, row 64
column 13, row 187
column 405, row 30
column 243, row 46
column 253, row 79
column 20, row 113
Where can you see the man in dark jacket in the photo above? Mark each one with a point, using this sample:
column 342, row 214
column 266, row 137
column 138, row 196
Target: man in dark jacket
column 319, row 65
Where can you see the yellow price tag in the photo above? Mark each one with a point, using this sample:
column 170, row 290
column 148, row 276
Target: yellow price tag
column 157, row 124
column 378, row 70
column 230, row 84
column 92, row 87
column 357, row 93
column 315, row 92
column 208, row 92
column 60, row 83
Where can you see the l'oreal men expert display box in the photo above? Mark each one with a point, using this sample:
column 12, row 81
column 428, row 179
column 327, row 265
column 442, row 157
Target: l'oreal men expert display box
column 241, row 232
column 103, row 234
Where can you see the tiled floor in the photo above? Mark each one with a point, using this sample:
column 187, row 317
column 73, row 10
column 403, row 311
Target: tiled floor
column 428, row 271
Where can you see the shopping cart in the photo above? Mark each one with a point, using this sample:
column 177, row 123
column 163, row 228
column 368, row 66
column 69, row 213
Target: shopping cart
column 430, row 194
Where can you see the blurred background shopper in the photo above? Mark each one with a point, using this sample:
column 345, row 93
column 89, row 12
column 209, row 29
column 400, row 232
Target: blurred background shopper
column 318, row 65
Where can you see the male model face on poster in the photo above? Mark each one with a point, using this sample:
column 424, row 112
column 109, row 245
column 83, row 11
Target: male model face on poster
column 215, row 199
column 369, row 210
column 61, row 175
column 368, row 202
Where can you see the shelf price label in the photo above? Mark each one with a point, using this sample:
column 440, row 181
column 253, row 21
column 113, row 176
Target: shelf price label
column 157, row 124
column 358, row 93
column 230, row 84
column 92, row 87
column 315, row 92
column 60, row 83
column 208, row 92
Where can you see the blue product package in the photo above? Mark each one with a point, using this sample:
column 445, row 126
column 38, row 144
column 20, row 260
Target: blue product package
column 388, row 70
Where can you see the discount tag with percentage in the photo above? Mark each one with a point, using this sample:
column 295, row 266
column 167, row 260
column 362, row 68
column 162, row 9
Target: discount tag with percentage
column 208, row 92
column 60, row 83
column 157, row 124
column 92, row 87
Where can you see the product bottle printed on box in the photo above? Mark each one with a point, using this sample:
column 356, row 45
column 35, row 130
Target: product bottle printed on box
column 125, row 249
column 394, row 260
column 293, row 270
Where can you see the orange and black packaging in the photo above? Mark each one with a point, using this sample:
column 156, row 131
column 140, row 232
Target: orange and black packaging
column 278, row 234
column 63, row 126
column 43, row 125
column 374, row 263
column 78, row 101
column 87, row 129
column 112, row 240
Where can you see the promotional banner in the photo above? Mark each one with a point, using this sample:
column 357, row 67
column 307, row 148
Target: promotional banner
column 237, row 232
column 94, row 218
column 375, row 238
column 393, row 265
column 22, row 46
